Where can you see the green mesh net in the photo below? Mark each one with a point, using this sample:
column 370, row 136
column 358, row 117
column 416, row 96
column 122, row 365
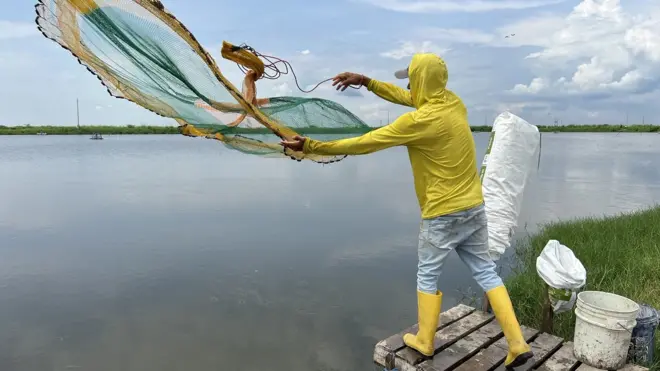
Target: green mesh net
column 142, row 53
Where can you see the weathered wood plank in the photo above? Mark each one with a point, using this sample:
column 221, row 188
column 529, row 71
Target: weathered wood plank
column 467, row 339
column 561, row 360
column 447, row 336
column 395, row 342
column 463, row 349
column 543, row 346
column 495, row 354
column 385, row 349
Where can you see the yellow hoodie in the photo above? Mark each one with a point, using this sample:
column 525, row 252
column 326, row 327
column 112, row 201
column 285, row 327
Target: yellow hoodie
column 437, row 135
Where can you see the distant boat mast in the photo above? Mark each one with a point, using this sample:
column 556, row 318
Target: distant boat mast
column 78, row 113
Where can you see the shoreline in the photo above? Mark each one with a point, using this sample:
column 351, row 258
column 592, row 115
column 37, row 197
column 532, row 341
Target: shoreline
column 171, row 130
column 620, row 253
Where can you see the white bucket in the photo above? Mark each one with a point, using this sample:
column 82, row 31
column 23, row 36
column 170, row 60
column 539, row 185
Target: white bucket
column 603, row 329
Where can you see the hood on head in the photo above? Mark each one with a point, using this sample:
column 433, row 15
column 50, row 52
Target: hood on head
column 428, row 78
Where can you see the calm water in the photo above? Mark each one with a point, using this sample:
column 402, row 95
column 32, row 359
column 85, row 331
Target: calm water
column 159, row 253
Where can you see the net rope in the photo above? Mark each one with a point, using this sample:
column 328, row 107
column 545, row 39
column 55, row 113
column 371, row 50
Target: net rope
column 277, row 73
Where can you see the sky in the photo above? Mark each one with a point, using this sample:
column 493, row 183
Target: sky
column 565, row 62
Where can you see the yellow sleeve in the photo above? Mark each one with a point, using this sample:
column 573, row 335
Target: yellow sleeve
column 390, row 92
column 403, row 131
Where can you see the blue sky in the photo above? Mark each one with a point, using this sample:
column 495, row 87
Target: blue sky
column 591, row 61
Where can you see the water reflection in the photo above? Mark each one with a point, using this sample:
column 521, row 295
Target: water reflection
column 170, row 253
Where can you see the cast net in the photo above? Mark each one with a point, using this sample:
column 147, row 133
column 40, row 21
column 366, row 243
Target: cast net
column 142, row 53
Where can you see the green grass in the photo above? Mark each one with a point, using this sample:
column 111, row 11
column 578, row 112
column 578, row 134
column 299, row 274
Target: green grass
column 132, row 129
column 589, row 128
column 621, row 255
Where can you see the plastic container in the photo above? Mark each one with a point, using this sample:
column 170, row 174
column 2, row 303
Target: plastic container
column 603, row 329
column 642, row 342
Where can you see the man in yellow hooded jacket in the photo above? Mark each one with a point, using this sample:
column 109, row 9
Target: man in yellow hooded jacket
column 444, row 165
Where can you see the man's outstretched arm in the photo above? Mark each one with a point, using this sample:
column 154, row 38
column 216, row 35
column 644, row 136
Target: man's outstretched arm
column 403, row 131
column 390, row 92
column 385, row 90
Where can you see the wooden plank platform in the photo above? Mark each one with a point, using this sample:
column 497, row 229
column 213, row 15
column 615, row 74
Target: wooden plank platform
column 471, row 340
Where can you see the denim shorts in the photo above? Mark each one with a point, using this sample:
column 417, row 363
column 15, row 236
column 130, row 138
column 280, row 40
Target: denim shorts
column 467, row 233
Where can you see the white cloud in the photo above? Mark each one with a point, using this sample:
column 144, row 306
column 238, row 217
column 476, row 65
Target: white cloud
column 533, row 31
column 605, row 50
column 374, row 111
column 643, row 38
column 442, row 6
column 515, row 108
column 408, row 48
column 535, row 86
column 305, row 52
column 282, row 89
column 16, row 30
column 536, row 31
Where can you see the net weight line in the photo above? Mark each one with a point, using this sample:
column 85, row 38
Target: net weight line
column 277, row 72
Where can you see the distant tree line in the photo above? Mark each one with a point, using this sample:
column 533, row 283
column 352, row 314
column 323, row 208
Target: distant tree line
column 86, row 130
column 144, row 129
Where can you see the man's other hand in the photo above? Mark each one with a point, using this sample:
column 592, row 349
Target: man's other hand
column 346, row 79
column 296, row 144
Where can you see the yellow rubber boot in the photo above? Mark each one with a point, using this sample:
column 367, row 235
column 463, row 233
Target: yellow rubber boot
column 519, row 351
column 428, row 310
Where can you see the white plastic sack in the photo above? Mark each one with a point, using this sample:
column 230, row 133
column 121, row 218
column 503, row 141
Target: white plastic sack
column 511, row 159
column 563, row 272
column 559, row 268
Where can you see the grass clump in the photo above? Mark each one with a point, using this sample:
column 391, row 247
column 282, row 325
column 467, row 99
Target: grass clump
column 621, row 255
